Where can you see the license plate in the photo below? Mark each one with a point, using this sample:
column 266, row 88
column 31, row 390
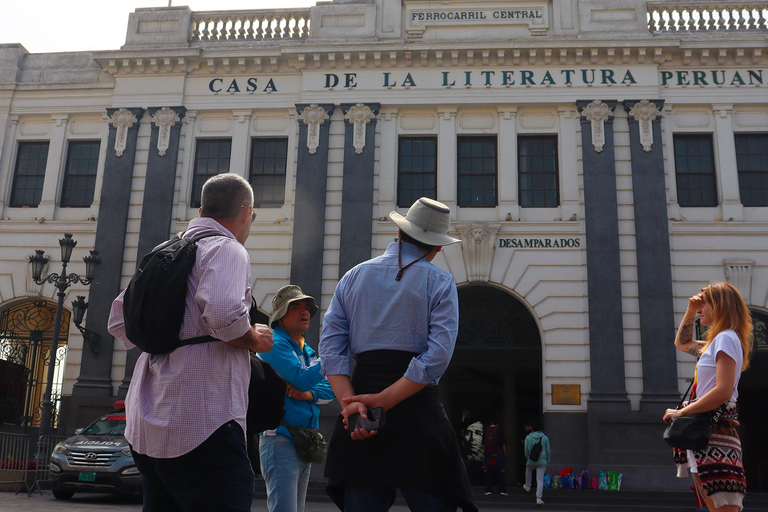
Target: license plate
column 89, row 476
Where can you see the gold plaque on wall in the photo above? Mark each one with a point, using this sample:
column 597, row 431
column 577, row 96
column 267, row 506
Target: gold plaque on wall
column 566, row 394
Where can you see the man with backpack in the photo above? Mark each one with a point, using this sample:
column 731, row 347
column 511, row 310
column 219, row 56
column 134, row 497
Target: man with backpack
column 537, row 458
column 186, row 409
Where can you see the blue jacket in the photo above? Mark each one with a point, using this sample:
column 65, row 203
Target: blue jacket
column 302, row 371
column 532, row 439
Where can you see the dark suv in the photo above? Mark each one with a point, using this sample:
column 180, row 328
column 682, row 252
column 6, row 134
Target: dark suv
column 96, row 459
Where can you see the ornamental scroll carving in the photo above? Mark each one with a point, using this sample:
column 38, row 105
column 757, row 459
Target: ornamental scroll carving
column 123, row 119
column 359, row 115
column 477, row 244
column 645, row 113
column 738, row 272
column 164, row 119
column 597, row 113
column 313, row 116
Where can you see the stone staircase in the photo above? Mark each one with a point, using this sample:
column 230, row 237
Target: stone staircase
column 569, row 500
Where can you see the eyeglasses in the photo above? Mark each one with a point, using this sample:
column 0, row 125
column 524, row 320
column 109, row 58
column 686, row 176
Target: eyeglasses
column 253, row 212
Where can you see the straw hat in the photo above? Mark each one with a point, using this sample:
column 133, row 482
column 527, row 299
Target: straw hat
column 284, row 297
column 427, row 221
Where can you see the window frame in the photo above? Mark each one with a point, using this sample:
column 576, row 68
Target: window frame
column 556, row 173
column 459, row 174
column 67, row 175
column 751, row 172
column 257, row 203
column 196, row 176
column 16, row 176
column 713, row 175
column 400, row 200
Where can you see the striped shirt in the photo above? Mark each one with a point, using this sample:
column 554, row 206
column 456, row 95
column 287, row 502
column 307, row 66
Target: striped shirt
column 372, row 311
column 177, row 400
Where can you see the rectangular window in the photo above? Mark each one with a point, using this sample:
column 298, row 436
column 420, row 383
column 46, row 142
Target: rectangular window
column 416, row 169
column 477, row 171
column 752, row 165
column 267, row 175
column 695, row 169
column 211, row 158
column 537, row 171
column 80, row 174
column 28, row 178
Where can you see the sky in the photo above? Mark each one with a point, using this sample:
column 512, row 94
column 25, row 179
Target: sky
column 44, row 26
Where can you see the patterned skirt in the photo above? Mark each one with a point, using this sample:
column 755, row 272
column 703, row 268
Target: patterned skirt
column 719, row 465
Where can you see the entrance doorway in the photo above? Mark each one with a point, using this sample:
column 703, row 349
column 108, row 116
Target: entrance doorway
column 495, row 374
column 753, row 415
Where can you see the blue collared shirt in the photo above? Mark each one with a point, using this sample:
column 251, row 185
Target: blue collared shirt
column 372, row 311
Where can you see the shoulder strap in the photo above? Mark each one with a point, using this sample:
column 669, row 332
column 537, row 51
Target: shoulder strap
column 204, row 234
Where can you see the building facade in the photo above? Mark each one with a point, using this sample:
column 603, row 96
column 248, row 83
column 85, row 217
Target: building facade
column 603, row 160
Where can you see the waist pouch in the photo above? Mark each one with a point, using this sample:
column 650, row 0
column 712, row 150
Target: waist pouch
column 309, row 442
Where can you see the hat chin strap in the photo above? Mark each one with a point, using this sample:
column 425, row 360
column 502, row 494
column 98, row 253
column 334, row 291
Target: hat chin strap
column 400, row 260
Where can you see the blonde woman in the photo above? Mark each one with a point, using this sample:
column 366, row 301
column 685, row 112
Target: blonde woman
column 717, row 470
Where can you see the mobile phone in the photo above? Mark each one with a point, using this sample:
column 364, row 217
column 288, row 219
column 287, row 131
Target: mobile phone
column 376, row 419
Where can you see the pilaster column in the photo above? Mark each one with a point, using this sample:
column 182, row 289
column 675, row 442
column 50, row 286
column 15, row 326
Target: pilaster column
column 240, row 156
column 157, row 207
column 6, row 148
column 446, row 158
column 570, row 203
column 387, row 189
column 54, row 166
column 96, row 369
column 186, row 146
column 606, row 329
column 727, row 172
column 309, row 212
column 357, row 187
column 654, row 265
column 508, row 168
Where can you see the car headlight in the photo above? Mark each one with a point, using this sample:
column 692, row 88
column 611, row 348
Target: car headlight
column 131, row 471
column 127, row 451
column 60, row 448
column 54, row 468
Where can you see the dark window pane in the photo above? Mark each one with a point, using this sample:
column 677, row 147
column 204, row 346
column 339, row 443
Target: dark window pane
column 538, row 174
column 752, row 166
column 211, row 158
column 695, row 169
column 477, row 167
column 269, row 159
column 27, row 189
column 417, row 169
column 80, row 174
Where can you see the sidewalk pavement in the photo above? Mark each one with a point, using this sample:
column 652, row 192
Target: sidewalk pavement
column 10, row 502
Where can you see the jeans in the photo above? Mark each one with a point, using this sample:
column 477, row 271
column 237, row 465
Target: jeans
column 376, row 498
column 285, row 474
column 216, row 475
column 539, row 479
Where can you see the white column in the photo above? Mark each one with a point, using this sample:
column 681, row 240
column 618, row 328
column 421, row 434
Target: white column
column 388, row 168
column 290, row 163
column 446, row 158
column 509, row 206
column 186, row 144
column 54, row 167
column 7, row 141
column 239, row 157
column 103, row 148
column 725, row 163
column 570, row 204
column 670, row 174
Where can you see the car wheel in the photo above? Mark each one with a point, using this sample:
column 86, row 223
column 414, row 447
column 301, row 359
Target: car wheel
column 63, row 495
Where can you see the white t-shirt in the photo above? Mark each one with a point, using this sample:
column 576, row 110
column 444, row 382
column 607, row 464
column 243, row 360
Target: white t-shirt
column 728, row 342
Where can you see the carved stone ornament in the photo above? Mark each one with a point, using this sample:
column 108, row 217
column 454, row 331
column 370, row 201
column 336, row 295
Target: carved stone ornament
column 359, row 115
column 478, row 244
column 164, row 118
column 123, row 119
column 645, row 112
column 738, row 272
column 313, row 116
column 597, row 113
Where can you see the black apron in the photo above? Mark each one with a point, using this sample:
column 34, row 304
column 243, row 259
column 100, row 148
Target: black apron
column 417, row 448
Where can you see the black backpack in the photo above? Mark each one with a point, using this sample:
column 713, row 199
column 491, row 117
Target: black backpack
column 535, row 451
column 153, row 303
column 266, row 397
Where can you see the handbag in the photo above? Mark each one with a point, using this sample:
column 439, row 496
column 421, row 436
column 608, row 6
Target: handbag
column 692, row 432
column 309, row 442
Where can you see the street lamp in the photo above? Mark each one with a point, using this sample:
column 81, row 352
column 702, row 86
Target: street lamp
column 62, row 281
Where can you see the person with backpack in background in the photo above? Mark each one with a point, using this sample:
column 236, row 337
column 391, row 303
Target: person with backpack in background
column 494, row 457
column 284, row 468
column 537, row 458
column 186, row 409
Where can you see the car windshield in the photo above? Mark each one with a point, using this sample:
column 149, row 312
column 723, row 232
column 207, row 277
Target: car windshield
column 112, row 425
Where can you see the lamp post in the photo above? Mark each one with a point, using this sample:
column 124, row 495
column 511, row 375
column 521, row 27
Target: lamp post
column 62, row 281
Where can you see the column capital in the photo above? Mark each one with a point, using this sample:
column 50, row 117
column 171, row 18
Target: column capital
column 447, row 113
column 506, row 112
column 59, row 119
column 723, row 110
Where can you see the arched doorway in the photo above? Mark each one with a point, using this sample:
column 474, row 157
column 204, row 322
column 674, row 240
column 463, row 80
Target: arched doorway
column 495, row 373
column 753, row 415
column 26, row 334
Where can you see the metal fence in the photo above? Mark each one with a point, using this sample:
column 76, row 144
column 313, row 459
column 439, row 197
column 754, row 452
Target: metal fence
column 25, row 464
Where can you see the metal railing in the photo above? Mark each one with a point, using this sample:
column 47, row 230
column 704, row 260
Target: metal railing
column 240, row 26
column 14, row 461
column 45, row 446
column 707, row 16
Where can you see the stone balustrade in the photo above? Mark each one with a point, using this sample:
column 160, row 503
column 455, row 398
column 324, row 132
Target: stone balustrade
column 707, row 16
column 261, row 25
